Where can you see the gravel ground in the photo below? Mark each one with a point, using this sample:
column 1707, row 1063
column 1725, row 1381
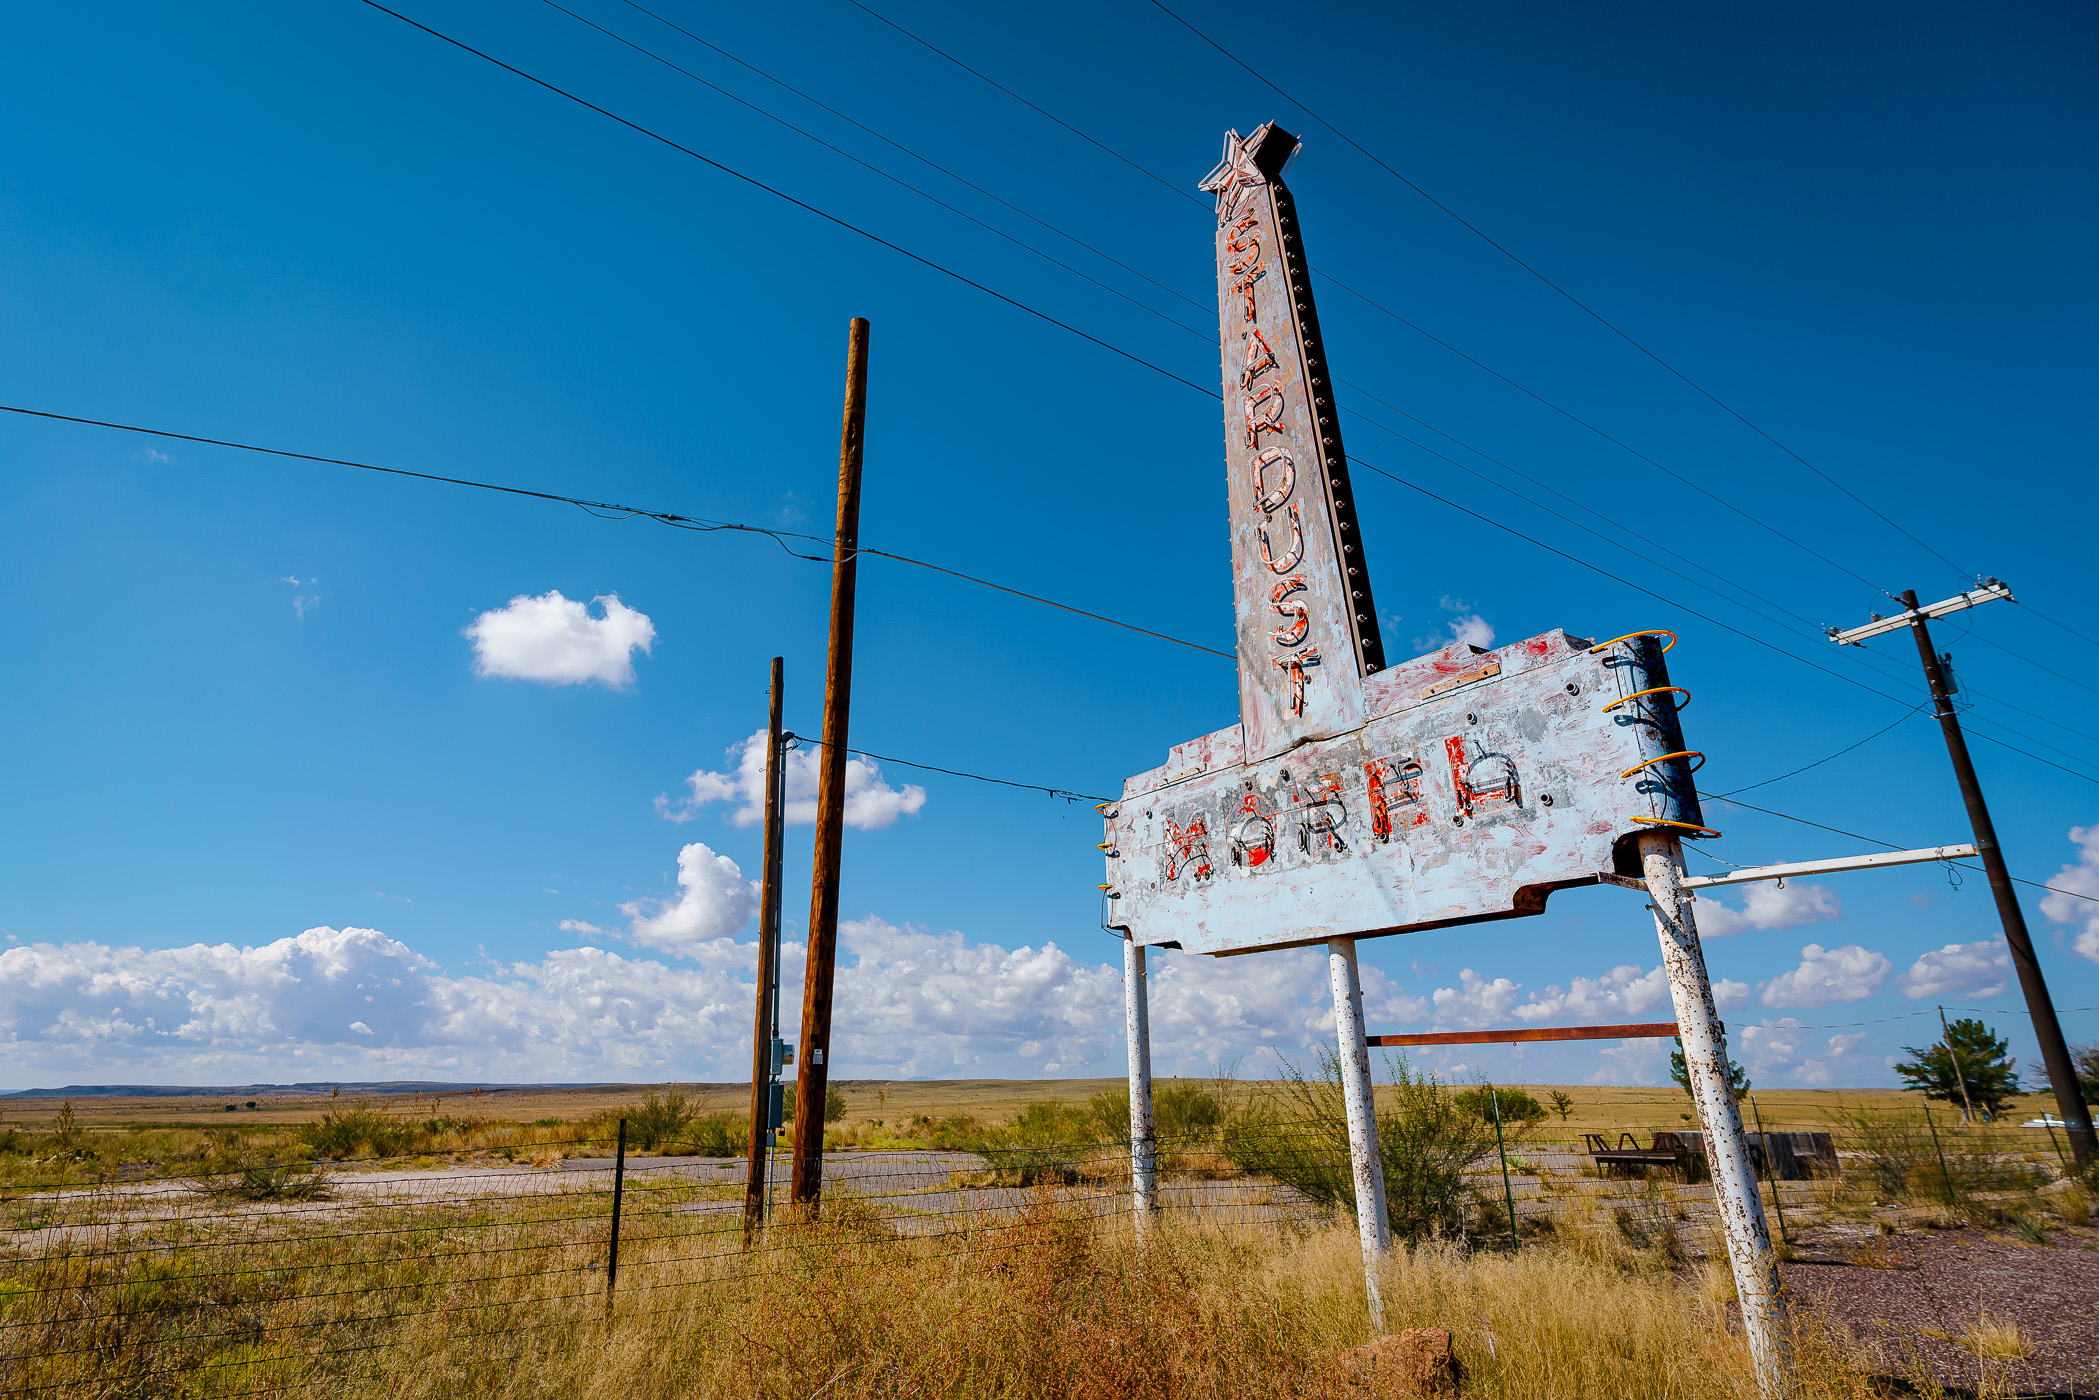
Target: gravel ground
column 1906, row 1297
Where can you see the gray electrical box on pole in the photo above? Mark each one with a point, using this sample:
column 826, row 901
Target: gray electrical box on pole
column 2055, row 1051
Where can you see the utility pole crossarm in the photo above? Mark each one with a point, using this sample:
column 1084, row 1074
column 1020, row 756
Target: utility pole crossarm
column 1991, row 591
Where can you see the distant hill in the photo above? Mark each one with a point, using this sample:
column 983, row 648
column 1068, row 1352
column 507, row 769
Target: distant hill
column 257, row 1091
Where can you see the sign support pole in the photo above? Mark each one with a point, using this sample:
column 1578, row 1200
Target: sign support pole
column 1365, row 1161
column 1712, row 1091
column 1144, row 1163
column 766, row 1027
column 813, row 1076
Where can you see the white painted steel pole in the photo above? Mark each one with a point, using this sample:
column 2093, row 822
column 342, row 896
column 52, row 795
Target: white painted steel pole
column 1712, row 1093
column 1366, row 1162
column 1144, row 1166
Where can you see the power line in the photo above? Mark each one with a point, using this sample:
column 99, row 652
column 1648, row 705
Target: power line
column 2022, row 656
column 919, row 157
column 928, row 262
column 662, row 517
column 867, row 165
column 758, row 184
column 1049, row 602
column 685, row 522
column 1052, row 116
column 1622, row 445
column 1200, row 334
column 1570, row 297
column 1066, row 793
column 1155, row 176
column 1820, row 761
column 2065, row 626
column 1664, row 598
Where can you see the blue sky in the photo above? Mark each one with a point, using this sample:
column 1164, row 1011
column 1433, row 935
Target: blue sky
column 238, row 809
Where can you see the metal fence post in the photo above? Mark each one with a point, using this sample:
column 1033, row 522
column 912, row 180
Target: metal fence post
column 1944, row 1175
column 619, row 1186
column 1365, row 1160
column 1144, row 1164
column 1508, row 1193
column 1735, row 1195
column 1778, row 1202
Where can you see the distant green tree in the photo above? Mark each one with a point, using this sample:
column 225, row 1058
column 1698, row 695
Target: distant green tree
column 1681, row 1072
column 1562, row 1103
column 834, row 1104
column 1518, row 1108
column 1985, row 1061
column 2084, row 1061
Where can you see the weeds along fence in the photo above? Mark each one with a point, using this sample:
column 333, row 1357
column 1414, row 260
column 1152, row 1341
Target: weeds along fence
column 250, row 1277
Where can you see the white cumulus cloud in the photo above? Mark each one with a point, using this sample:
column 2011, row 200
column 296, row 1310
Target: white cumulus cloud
column 559, row 641
column 1626, row 993
column 1786, row 1049
column 870, row 802
column 1979, row 969
column 1622, row 994
column 1210, row 1011
column 334, row 1003
column 714, row 902
column 1829, row 977
column 2082, row 879
column 1768, row 904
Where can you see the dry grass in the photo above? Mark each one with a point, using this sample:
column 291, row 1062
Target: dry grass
column 1047, row 1303
column 1995, row 1338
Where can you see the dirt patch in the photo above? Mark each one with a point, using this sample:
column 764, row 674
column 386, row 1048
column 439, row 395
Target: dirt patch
column 1909, row 1299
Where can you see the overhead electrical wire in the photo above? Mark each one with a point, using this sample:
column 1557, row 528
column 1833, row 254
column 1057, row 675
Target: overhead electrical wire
column 1162, row 180
column 1573, row 300
column 662, row 517
column 1652, row 544
column 918, row 156
column 781, row 537
column 866, row 165
column 1557, row 408
column 1066, row 793
column 1199, row 334
column 1664, row 598
column 777, row 193
column 686, row 522
column 1908, row 715
column 759, row 184
column 2065, row 626
column 1040, row 111
column 1202, row 335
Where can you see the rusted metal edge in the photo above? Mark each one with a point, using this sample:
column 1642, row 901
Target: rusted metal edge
column 1645, row 1030
column 1326, row 423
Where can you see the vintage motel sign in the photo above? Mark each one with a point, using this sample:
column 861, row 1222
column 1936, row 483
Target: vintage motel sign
column 1358, row 797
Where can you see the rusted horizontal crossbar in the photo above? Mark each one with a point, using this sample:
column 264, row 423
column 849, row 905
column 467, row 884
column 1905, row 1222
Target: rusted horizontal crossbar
column 1645, row 1030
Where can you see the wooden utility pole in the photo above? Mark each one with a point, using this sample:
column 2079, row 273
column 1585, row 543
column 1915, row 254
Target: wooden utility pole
column 2055, row 1052
column 814, row 1072
column 766, row 1027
